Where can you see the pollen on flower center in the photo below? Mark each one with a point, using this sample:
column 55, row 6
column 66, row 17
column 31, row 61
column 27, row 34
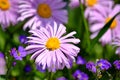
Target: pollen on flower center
column 18, row 53
column 53, row 43
column 44, row 10
column 4, row 5
column 91, row 2
column 114, row 23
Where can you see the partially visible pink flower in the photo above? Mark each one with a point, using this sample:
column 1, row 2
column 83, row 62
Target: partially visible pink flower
column 96, row 4
column 42, row 12
column 2, row 64
column 8, row 13
column 51, row 49
column 100, row 17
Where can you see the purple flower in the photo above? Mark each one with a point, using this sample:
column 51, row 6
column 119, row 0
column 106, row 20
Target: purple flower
column 51, row 49
column 78, row 75
column 27, row 68
column 80, row 60
column 8, row 12
column 100, row 17
column 2, row 64
column 23, row 39
column 18, row 54
column 61, row 78
column 42, row 12
column 103, row 64
column 96, row 5
column 117, row 64
column 91, row 67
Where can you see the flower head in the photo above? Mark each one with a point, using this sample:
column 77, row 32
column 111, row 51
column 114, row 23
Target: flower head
column 99, row 18
column 92, row 5
column 51, row 49
column 80, row 60
column 8, row 12
column 42, row 12
column 78, row 75
column 22, row 39
column 91, row 67
column 103, row 64
column 18, row 54
column 117, row 64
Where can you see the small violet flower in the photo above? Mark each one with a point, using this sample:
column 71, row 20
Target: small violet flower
column 22, row 39
column 78, row 75
column 80, row 60
column 117, row 64
column 91, row 67
column 18, row 54
column 103, row 64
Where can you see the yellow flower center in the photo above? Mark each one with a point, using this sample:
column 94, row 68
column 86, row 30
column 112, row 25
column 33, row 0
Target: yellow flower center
column 114, row 23
column 53, row 43
column 44, row 10
column 4, row 5
column 18, row 53
column 91, row 3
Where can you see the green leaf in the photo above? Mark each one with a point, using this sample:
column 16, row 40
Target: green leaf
column 102, row 31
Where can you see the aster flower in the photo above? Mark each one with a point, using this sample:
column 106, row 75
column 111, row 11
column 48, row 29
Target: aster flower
column 95, row 4
column 2, row 64
column 22, row 39
column 117, row 64
column 103, row 64
column 42, row 12
column 78, row 75
column 61, row 78
column 91, row 67
column 80, row 60
column 8, row 12
column 51, row 49
column 18, row 54
column 99, row 18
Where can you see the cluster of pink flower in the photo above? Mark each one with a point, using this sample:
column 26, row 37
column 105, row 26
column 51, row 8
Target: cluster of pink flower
column 98, row 13
column 45, row 19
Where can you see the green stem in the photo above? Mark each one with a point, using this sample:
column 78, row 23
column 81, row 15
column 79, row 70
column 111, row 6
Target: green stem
column 110, row 76
column 86, row 26
column 50, row 76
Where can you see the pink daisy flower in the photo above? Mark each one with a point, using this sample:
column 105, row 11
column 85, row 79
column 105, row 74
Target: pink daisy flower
column 51, row 49
column 95, row 4
column 8, row 13
column 100, row 17
column 42, row 12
